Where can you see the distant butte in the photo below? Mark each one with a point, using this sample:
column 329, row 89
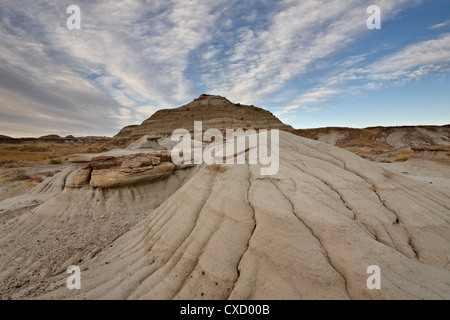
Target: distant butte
column 214, row 111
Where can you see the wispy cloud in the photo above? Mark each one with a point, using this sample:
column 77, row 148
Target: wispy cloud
column 418, row 59
column 413, row 62
column 440, row 25
column 128, row 55
column 316, row 95
column 310, row 101
column 134, row 57
column 299, row 34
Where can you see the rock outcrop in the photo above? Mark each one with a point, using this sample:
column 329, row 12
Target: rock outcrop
column 119, row 171
column 147, row 142
column 214, row 112
column 435, row 153
column 380, row 137
column 225, row 232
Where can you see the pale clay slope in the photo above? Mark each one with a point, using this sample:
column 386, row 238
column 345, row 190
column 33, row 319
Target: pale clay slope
column 428, row 171
column 309, row 232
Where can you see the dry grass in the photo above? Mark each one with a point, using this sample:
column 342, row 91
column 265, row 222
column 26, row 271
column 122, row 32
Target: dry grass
column 363, row 152
column 362, row 138
column 55, row 161
column 432, row 148
column 18, row 154
column 401, row 155
column 17, row 175
column 20, row 189
column 17, row 181
column 350, row 137
column 35, row 179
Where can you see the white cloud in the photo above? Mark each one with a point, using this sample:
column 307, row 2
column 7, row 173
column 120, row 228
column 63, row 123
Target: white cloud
column 147, row 53
column 227, row 23
column 299, row 34
column 210, row 53
column 252, row 16
column 413, row 62
column 316, row 95
column 429, row 52
column 126, row 57
column 439, row 25
column 309, row 102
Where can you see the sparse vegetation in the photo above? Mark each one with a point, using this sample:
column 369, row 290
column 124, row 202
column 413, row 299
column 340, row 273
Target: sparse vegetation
column 19, row 154
column 18, row 175
column 35, row 179
column 364, row 152
column 97, row 149
column 55, row 161
column 9, row 165
column 401, row 155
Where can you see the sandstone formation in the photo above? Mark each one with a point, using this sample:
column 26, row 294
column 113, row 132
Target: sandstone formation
column 147, row 142
column 381, row 137
column 436, row 153
column 214, row 111
column 118, row 171
column 226, row 232
column 218, row 112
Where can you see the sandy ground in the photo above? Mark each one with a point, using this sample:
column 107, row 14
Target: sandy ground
column 431, row 172
column 19, row 180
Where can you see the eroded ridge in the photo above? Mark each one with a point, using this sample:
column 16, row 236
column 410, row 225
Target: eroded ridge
column 308, row 232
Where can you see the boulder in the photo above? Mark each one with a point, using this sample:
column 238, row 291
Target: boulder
column 140, row 161
column 80, row 179
column 114, row 178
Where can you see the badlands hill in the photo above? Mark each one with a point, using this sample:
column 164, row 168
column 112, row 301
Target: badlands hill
column 376, row 143
column 3, row 137
column 53, row 138
column 140, row 226
column 214, row 112
column 381, row 137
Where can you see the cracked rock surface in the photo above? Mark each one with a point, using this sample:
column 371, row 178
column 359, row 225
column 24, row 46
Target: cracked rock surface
column 226, row 232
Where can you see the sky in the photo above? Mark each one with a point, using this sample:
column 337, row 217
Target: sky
column 312, row 63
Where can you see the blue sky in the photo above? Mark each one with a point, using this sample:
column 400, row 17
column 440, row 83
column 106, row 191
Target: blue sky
column 313, row 63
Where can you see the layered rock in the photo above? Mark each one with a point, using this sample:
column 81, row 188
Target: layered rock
column 380, row 137
column 214, row 112
column 435, row 153
column 112, row 172
column 147, row 142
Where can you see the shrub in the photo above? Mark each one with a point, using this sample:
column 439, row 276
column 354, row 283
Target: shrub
column 36, row 179
column 97, row 149
column 9, row 165
column 402, row 155
column 19, row 175
column 39, row 179
column 55, row 161
column 402, row 158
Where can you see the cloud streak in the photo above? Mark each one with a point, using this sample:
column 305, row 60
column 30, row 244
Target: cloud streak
column 440, row 25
